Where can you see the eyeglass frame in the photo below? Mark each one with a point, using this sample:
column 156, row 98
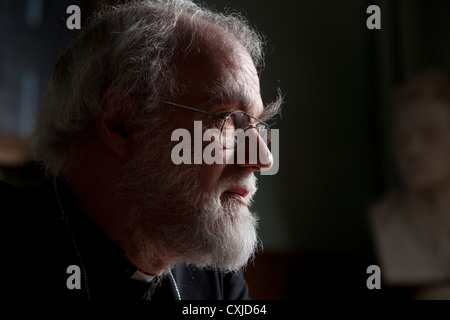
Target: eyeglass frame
column 224, row 118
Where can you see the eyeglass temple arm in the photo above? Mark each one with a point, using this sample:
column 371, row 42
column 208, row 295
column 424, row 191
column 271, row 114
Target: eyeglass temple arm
column 194, row 109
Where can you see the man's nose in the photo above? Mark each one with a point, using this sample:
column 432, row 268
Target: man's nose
column 253, row 152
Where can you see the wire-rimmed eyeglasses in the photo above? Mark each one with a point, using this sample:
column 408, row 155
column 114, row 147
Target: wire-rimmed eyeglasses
column 232, row 121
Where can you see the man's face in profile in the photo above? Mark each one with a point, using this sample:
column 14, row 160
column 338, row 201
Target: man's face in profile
column 422, row 140
column 196, row 213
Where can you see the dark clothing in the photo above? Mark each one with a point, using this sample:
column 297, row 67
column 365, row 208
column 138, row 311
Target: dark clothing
column 38, row 246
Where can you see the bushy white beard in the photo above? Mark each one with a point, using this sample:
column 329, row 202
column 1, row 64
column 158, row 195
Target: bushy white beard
column 171, row 217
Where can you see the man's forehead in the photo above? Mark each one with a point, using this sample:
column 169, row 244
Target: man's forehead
column 219, row 73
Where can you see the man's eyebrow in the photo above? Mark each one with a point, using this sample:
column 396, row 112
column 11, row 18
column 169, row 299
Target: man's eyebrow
column 220, row 94
column 272, row 109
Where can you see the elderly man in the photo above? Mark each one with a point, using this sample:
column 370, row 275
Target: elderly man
column 118, row 218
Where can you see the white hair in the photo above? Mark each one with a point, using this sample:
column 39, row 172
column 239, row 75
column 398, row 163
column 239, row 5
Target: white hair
column 131, row 47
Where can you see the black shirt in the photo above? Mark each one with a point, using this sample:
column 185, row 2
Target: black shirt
column 39, row 243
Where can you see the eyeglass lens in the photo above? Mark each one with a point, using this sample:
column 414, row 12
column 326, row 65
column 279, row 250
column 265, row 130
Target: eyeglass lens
column 240, row 120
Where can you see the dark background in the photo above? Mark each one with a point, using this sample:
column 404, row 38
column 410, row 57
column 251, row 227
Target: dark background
column 335, row 158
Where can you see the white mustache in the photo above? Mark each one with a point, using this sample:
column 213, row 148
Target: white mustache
column 248, row 182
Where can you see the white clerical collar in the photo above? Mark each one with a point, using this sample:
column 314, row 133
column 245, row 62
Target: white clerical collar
column 138, row 275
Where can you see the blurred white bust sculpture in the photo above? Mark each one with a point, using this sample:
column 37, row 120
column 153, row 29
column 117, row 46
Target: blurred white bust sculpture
column 411, row 225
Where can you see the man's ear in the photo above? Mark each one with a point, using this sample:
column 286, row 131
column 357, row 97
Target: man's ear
column 114, row 124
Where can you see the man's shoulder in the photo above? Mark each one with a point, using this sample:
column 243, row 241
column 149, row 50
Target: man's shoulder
column 25, row 203
column 13, row 203
column 8, row 193
column 29, row 216
column 30, row 240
